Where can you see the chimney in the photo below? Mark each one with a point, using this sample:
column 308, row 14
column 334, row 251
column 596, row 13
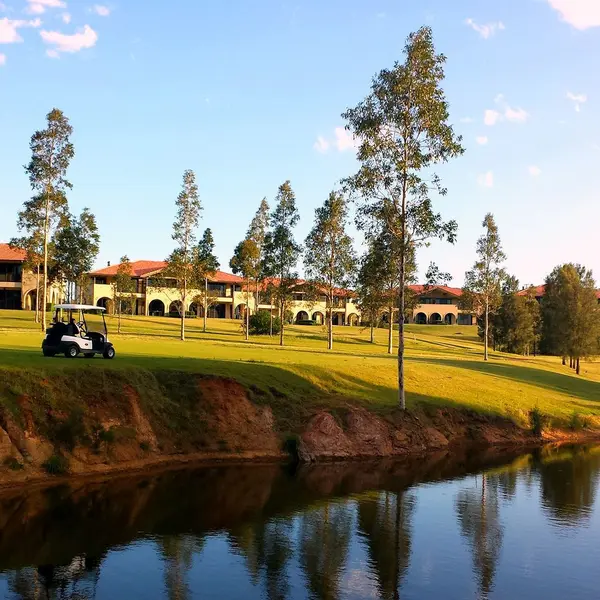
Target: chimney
column 108, row 265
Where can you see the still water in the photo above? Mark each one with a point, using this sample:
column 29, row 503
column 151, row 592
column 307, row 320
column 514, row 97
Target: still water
column 480, row 525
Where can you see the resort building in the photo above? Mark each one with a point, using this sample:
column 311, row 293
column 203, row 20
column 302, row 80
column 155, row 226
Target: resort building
column 439, row 304
column 18, row 286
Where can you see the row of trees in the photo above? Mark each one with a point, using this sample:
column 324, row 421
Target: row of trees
column 564, row 322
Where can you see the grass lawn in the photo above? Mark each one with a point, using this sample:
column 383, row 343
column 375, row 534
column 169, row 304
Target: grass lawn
column 444, row 365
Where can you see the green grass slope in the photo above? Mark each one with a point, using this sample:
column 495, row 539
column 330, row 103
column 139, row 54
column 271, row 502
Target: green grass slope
column 444, row 366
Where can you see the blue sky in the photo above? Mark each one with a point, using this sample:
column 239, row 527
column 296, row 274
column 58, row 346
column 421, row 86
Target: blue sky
column 249, row 94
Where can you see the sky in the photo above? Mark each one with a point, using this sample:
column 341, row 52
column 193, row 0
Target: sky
column 250, row 94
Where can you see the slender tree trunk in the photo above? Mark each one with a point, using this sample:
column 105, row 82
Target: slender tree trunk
column 390, row 329
column 570, row 362
column 182, row 309
column 577, row 369
column 401, row 390
column 118, row 315
column 45, row 290
column 37, row 295
column 564, row 361
column 372, row 333
column 205, row 302
column 282, row 318
column 271, row 315
column 486, row 329
column 330, row 324
column 248, row 309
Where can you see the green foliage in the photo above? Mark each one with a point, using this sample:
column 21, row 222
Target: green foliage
column 483, row 283
column 145, row 446
column 517, row 321
column 305, row 322
column 260, row 323
column 281, row 251
column 329, row 258
column 123, row 287
column 57, row 464
column 570, row 313
column 76, row 246
column 13, row 463
column 69, row 432
column 578, row 422
column 537, row 421
column 51, row 154
column 402, row 130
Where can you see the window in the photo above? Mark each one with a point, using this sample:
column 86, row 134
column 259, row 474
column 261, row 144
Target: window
column 237, row 288
column 101, row 281
column 298, row 297
column 217, row 287
column 12, row 272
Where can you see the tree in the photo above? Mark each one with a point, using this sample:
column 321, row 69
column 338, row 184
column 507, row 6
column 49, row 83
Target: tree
column 402, row 130
column 281, row 251
column 570, row 314
column 76, row 246
column 246, row 262
column 329, row 258
column 51, row 154
column 123, row 288
column 206, row 265
column 483, row 282
column 181, row 263
column 257, row 232
column 33, row 247
column 370, row 296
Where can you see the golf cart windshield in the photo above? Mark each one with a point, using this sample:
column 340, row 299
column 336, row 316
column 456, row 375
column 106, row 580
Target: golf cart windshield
column 80, row 319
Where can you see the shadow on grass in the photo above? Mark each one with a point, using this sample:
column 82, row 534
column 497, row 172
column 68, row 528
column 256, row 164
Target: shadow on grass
column 558, row 382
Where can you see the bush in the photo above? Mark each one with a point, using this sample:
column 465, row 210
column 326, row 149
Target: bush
column 260, row 323
column 289, row 317
column 537, row 421
column 13, row 464
column 57, row 464
column 305, row 322
column 577, row 422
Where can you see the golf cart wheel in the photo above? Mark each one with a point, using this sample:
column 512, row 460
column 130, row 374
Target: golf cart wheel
column 72, row 351
column 109, row 353
column 48, row 352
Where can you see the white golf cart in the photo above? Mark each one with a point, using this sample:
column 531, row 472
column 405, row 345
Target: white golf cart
column 70, row 335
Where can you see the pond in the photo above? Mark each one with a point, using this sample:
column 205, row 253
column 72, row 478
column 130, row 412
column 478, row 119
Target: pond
column 477, row 524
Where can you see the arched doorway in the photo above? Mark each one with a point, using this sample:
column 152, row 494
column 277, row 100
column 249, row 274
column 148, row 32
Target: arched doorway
column 435, row 318
column 156, row 308
column 217, row 311
column 352, row 320
column 30, row 300
column 197, row 309
column 175, row 308
column 338, row 318
column 450, row 319
column 105, row 303
column 302, row 316
column 421, row 319
column 240, row 311
column 318, row 318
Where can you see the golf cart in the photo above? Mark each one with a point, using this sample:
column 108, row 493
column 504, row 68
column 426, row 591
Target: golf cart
column 71, row 336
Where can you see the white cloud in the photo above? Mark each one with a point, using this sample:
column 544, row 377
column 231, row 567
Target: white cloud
column 37, row 7
column 534, row 171
column 321, row 145
column 84, row 38
column 66, row 17
column 581, row 14
column 577, row 99
column 506, row 112
column 491, row 117
column 486, row 179
column 2, row 59
column 344, row 140
column 486, row 30
column 481, row 140
column 8, row 29
column 101, row 10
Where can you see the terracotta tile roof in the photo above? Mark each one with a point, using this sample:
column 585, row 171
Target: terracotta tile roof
column 420, row 289
column 540, row 290
column 144, row 268
column 8, row 253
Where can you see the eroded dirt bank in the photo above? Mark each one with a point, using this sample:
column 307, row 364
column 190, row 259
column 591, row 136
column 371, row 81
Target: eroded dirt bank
column 89, row 421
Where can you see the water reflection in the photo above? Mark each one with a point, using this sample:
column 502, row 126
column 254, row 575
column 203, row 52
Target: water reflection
column 484, row 524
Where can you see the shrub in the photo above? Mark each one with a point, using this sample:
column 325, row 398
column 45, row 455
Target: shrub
column 13, row 464
column 145, row 446
column 260, row 323
column 57, row 464
column 537, row 421
column 305, row 322
column 107, row 435
column 577, row 422
column 67, row 433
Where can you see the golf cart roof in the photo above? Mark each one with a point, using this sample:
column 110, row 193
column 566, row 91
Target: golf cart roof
column 79, row 307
